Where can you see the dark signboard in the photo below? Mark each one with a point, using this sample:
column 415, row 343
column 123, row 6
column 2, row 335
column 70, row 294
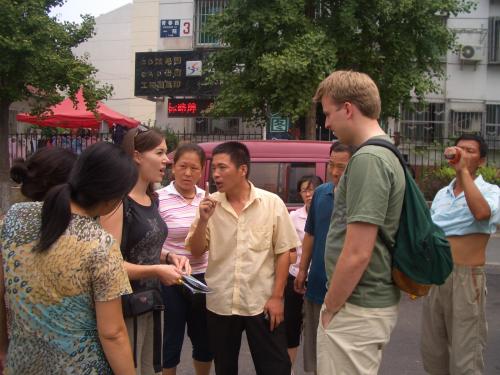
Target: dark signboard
column 187, row 107
column 171, row 74
column 170, row 28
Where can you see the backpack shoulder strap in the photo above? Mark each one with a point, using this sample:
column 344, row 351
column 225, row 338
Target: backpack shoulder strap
column 404, row 164
column 390, row 146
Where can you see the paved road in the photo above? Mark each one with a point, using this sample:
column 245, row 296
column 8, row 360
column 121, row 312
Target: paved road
column 493, row 250
column 402, row 355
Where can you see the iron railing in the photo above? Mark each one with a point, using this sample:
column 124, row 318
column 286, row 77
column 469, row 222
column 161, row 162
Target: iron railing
column 22, row 145
column 420, row 152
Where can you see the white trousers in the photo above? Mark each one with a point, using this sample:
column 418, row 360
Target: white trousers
column 352, row 342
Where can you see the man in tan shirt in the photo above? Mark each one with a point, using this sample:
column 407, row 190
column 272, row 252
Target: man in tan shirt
column 248, row 235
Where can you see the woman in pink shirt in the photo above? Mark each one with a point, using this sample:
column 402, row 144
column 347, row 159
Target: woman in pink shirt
column 294, row 300
column 179, row 203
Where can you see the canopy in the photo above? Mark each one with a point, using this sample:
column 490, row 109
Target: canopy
column 65, row 115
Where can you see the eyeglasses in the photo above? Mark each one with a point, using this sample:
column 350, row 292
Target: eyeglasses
column 305, row 191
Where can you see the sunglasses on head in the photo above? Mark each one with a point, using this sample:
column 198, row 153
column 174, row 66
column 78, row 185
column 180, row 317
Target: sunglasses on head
column 141, row 129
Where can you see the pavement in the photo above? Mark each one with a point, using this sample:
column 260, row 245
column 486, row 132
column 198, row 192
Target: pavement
column 402, row 354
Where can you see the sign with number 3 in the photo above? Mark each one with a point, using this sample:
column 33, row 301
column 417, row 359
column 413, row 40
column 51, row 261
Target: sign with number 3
column 186, row 27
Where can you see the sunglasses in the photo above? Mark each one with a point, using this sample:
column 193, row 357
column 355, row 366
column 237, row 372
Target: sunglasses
column 141, row 129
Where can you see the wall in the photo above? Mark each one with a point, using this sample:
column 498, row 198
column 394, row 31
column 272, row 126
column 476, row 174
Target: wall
column 110, row 51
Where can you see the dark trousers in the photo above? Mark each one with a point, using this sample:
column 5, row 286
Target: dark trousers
column 293, row 313
column 268, row 349
column 182, row 308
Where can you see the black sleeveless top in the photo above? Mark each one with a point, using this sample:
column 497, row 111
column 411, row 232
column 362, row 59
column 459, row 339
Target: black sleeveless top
column 143, row 235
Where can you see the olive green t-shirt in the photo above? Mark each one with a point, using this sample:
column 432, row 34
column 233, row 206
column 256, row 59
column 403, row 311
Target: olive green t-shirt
column 371, row 191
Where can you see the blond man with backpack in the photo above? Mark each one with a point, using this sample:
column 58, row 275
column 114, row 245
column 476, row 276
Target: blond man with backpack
column 361, row 305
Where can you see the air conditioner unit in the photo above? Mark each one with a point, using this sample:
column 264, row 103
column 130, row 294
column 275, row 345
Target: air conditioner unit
column 471, row 53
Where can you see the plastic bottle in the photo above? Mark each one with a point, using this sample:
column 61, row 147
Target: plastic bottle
column 453, row 156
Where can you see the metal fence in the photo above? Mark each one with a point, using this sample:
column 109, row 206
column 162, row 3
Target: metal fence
column 22, row 145
column 430, row 154
column 420, row 153
column 25, row 144
column 199, row 138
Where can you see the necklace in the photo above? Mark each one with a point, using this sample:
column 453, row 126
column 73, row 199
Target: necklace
column 187, row 198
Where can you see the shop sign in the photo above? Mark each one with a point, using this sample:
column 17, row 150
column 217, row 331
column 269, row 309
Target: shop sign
column 170, row 74
column 187, row 107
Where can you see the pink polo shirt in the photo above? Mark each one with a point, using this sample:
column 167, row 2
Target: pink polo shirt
column 179, row 214
column 299, row 218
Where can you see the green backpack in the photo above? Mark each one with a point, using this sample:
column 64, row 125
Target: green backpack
column 421, row 255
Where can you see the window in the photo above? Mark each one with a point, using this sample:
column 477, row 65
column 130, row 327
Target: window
column 278, row 178
column 494, row 40
column 205, row 9
column 492, row 134
column 425, row 123
column 465, row 122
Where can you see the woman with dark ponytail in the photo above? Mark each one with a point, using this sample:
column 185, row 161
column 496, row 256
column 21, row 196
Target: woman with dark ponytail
column 43, row 170
column 63, row 275
column 141, row 231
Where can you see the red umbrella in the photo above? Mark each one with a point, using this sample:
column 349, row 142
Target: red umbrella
column 65, row 115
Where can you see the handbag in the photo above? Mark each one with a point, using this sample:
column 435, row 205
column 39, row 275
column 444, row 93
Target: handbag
column 141, row 302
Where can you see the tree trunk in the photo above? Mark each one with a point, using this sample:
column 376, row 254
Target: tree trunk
column 311, row 122
column 5, row 183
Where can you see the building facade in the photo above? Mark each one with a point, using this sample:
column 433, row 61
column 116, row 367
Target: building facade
column 469, row 100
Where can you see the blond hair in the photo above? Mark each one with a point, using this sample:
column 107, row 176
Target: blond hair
column 357, row 88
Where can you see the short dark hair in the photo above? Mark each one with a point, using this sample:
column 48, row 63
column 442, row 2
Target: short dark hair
column 102, row 173
column 313, row 180
column 342, row 147
column 237, row 151
column 483, row 146
column 190, row 147
column 46, row 168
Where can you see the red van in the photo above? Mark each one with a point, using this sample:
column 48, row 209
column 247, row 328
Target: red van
column 277, row 165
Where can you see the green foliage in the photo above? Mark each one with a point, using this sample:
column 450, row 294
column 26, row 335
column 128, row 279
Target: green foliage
column 171, row 139
column 37, row 65
column 490, row 174
column 436, row 178
column 273, row 60
column 37, row 61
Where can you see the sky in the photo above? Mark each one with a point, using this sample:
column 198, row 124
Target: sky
column 72, row 9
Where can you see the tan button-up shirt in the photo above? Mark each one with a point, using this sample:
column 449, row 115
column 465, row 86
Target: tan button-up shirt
column 242, row 251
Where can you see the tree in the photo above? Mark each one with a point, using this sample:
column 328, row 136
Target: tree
column 37, row 66
column 286, row 50
column 273, row 59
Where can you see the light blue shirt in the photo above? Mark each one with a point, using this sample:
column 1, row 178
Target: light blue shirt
column 453, row 215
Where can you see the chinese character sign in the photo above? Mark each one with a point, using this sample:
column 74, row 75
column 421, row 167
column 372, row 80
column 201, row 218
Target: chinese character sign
column 187, row 107
column 175, row 28
column 170, row 28
column 170, row 74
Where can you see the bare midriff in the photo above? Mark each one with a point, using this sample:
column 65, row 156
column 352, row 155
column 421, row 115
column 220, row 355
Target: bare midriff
column 469, row 250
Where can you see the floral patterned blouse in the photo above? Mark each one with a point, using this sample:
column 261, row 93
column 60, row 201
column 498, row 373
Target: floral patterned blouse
column 51, row 295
